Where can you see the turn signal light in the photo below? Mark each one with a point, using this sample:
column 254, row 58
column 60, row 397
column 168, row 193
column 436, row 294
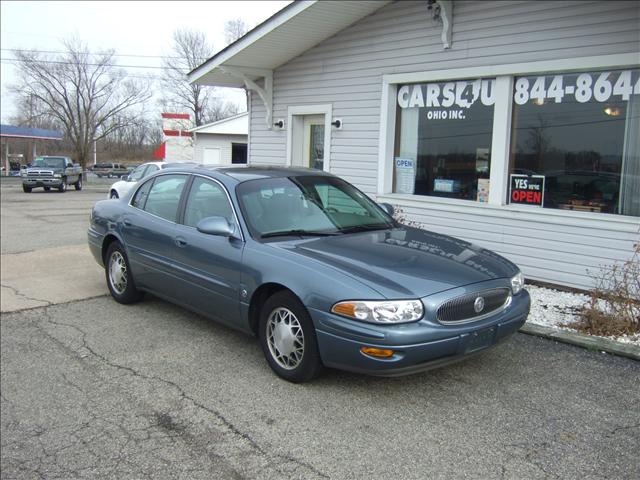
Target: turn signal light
column 377, row 352
column 345, row 308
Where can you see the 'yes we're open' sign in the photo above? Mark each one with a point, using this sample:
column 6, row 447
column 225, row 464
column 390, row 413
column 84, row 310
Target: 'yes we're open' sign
column 527, row 190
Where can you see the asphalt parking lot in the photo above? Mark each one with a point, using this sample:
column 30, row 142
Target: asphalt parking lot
column 93, row 389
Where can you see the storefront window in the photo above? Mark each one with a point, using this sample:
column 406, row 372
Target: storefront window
column 576, row 142
column 443, row 139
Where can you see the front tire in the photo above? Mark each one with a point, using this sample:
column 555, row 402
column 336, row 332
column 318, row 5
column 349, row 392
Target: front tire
column 46, row 189
column 78, row 184
column 288, row 338
column 26, row 189
column 114, row 195
column 63, row 186
column 119, row 278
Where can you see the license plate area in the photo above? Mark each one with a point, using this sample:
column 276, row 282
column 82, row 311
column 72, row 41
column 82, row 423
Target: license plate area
column 480, row 339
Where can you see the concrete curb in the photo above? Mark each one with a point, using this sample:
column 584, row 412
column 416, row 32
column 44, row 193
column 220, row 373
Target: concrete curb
column 585, row 341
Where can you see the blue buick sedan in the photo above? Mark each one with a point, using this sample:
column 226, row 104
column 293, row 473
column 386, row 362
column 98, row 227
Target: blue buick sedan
column 321, row 274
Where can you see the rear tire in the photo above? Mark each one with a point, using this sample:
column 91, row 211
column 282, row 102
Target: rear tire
column 26, row 189
column 119, row 278
column 78, row 184
column 47, row 189
column 288, row 338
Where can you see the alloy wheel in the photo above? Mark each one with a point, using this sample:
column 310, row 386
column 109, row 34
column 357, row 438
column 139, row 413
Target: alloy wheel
column 118, row 272
column 285, row 338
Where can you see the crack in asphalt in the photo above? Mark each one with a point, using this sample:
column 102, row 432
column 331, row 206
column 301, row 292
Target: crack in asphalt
column 27, row 297
column 624, row 427
column 229, row 425
column 51, row 304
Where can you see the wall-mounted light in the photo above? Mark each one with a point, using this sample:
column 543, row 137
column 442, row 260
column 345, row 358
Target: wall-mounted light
column 337, row 123
column 279, row 123
column 538, row 101
column 612, row 111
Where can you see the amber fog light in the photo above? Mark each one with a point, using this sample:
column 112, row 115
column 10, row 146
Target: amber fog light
column 377, row 352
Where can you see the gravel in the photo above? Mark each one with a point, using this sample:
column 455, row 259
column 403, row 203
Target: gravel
column 557, row 309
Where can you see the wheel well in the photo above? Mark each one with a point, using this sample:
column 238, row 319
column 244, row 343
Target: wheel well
column 257, row 300
column 105, row 246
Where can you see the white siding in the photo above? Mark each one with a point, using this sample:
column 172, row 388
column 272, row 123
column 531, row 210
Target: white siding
column 223, row 142
column 346, row 71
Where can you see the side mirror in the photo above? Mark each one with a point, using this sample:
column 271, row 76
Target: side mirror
column 125, row 177
column 388, row 208
column 218, row 226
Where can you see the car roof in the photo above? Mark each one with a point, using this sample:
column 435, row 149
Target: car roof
column 245, row 173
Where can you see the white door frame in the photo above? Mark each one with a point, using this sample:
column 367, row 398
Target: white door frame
column 326, row 110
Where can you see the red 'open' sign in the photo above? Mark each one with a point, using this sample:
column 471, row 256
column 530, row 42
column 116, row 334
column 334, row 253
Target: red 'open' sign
column 527, row 190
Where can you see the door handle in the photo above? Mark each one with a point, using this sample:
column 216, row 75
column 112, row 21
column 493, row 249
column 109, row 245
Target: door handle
column 180, row 242
column 126, row 222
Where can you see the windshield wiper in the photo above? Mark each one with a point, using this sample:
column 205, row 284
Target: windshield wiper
column 365, row 228
column 298, row 233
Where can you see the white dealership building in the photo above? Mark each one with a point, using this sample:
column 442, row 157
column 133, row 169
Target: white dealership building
column 512, row 124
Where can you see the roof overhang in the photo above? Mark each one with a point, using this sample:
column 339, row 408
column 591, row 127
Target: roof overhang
column 11, row 131
column 235, row 125
column 293, row 30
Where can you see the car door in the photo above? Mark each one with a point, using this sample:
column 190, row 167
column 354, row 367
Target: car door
column 148, row 229
column 209, row 265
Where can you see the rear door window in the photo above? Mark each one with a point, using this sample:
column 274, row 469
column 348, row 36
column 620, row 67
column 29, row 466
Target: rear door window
column 141, row 195
column 164, row 196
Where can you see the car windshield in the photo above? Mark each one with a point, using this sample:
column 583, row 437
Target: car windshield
column 49, row 162
column 307, row 205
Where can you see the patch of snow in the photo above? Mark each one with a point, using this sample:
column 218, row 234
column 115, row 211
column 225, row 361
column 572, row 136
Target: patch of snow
column 556, row 309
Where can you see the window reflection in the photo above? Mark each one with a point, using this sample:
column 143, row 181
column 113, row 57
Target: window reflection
column 580, row 131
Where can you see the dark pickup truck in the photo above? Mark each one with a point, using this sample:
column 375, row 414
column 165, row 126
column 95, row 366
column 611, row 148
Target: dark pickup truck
column 52, row 172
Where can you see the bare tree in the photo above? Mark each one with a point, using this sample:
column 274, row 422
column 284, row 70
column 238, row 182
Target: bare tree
column 234, row 29
column 32, row 112
column 190, row 49
column 86, row 94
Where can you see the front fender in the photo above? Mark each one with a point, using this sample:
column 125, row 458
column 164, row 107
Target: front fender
column 317, row 285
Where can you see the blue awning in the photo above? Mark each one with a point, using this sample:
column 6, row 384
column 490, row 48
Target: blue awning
column 26, row 132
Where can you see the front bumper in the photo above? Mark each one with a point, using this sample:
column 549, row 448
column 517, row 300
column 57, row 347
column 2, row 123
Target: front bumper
column 42, row 182
column 434, row 345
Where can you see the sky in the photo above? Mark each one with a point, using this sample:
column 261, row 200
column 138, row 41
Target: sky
column 140, row 32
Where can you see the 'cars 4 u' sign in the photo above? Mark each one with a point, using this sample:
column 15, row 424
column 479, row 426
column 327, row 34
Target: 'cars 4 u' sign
column 527, row 190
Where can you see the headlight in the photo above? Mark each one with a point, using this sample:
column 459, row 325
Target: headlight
column 388, row 311
column 57, row 175
column 517, row 283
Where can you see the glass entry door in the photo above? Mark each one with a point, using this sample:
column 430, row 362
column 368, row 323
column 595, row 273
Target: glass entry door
column 313, row 148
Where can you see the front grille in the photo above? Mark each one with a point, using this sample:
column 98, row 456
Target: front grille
column 40, row 173
column 461, row 309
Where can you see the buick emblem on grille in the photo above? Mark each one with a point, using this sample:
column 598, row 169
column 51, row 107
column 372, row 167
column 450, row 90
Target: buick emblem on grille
column 478, row 305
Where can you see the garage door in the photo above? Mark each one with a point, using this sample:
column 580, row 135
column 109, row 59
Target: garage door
column 211, row 156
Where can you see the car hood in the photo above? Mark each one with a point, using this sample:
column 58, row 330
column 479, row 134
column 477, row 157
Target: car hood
column 405, row 262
